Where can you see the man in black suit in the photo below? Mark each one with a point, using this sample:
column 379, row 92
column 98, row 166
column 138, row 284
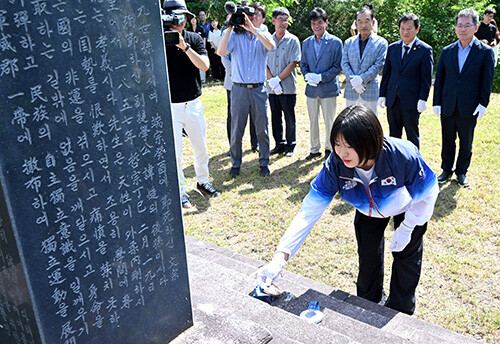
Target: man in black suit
column 461, row 93
column 406, row 80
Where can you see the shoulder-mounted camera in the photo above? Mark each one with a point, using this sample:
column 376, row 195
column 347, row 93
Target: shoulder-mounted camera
column 236, row 12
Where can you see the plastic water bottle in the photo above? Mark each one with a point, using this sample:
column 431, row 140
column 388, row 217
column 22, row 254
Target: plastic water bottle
column 312, row 314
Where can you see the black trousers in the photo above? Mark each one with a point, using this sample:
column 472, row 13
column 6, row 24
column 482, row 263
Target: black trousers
column 253, row 135
column 450, row 127
column 398, row 118
column 406, row 266
column 283, row 104
column 216, row 67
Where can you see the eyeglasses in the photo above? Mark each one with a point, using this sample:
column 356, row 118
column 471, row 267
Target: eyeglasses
column 468, row 26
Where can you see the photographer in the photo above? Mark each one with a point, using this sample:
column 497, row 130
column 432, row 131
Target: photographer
column 185, row 60
column 249, row 47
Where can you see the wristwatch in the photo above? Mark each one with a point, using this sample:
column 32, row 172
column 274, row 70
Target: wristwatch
column 187, row 47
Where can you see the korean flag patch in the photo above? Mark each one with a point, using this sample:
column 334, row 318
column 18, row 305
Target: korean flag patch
column 388, row 181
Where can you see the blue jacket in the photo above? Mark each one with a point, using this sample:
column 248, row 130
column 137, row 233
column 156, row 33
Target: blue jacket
column 402, row 183
column 411, row 80
column 327, row 64
column 464, row 90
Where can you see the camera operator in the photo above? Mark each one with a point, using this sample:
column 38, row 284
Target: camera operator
column 185, row 60
column 249, row 50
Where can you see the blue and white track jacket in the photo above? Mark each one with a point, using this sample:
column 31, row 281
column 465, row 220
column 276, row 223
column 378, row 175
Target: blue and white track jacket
column 401, row 183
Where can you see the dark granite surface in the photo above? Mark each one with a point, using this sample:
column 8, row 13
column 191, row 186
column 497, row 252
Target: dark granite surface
column 91, row 241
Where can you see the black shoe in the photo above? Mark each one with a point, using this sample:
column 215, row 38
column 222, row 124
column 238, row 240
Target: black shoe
column 235, row 171
column 207, row 189
column 462, row 180
column 185, row 202
column 444, row 177
column 277, row 150
column 255, row 149
column 264, row 171
column 313, row 156
column 327, row 153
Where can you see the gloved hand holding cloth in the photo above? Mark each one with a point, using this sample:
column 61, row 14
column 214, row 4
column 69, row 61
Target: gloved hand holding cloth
column 269, row 272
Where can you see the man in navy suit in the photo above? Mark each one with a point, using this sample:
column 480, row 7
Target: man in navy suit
column 320, row 65
column 406, row 80
column 461, row 93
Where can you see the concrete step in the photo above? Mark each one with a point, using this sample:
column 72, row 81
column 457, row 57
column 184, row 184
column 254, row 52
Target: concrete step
column 223, row 280
column 227, row 313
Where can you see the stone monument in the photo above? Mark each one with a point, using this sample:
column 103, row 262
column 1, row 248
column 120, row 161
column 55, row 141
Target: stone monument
column 91, row 237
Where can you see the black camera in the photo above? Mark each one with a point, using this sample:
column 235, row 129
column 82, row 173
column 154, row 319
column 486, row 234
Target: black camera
column 172, row 19
column 236, row 12
column 171, row 37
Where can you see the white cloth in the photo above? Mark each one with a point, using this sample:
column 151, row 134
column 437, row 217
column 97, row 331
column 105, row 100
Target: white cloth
column 189, row 115
column 381, row 102
column 328, row 108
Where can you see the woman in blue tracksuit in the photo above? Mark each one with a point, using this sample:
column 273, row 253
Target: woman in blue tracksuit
column 380, row 177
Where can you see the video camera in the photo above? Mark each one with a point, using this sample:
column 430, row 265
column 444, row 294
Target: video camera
column 171, row 37
column 236, row 12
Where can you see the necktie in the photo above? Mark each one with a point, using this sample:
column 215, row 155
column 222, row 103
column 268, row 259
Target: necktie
column 407, row 48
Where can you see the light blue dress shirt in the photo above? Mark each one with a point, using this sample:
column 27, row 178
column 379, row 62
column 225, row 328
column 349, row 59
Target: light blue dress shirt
column 317, row 45
column 463, row 53
column 248, row 58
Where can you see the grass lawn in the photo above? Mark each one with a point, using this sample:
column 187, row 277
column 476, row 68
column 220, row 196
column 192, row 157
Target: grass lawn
column 460, row 283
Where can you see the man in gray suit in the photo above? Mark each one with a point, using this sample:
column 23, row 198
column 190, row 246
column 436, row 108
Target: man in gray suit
column 320, row 65
column 362, row 60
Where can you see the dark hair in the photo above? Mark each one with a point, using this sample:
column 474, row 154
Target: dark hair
column 259, row 7
column 318, row 13
column 490, row 11
column 278, row 11
column 368, row 5
column 361, row 129
column 364, row 10
column 211, row 20
column 409, row 17
column 467, row 13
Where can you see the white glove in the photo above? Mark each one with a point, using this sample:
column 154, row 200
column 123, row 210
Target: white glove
column 437, row 110
column 381, row 102
column 278, row 90
column 401, row 238
column 314, row 78
column 480, row 112
column 274, row 82
column 269, row 272
column 421, row 105
column 356, row 80
column 360, row 88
